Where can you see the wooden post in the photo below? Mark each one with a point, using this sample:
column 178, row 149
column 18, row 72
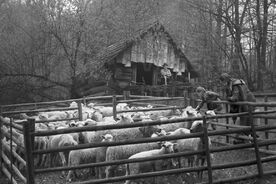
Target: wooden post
column 28, row 129
column 256, row 146
column 126, row 95
column 174, row 90
column 191, row 100
column 266, row 122
column 80, row 111
column 207, row 150
column 114, row 104
column 227, row 121
column 185, row 98
column 1, row 136
column 184, row 95
column 84, row 101
column 11, row 143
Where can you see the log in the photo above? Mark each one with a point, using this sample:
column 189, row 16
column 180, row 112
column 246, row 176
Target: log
column 18, row 157
column 8, row 174
column 16, row 171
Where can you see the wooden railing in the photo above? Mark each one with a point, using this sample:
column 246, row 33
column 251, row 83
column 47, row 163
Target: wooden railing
column 30, row 134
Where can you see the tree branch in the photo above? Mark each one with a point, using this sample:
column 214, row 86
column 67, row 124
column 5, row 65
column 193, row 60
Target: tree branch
column 38, row 77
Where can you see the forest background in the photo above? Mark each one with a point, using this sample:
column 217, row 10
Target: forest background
column 46, row 44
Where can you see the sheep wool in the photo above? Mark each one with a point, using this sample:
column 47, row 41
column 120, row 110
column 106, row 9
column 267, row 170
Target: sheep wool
column 148, row 166
column 124, row 152
column 89, row 155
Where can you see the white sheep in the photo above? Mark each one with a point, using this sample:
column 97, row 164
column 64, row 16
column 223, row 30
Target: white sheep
column 148, row 166
column 125, row 151
column 106, row 111
column 192, row 144
column 119, row 134
column 58, row 141
column 179, row 131
column 125, row 119
column 186, row 124
column 97, row 116
column 89, row 155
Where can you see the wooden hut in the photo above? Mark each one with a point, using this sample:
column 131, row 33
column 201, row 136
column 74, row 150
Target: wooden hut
column 139, row 60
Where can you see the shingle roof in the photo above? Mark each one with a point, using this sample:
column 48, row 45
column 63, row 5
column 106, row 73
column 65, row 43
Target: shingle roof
column 112, row 51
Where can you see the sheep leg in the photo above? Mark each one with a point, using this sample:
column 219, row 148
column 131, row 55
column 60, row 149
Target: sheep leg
column 179, row 161
column 109, row 171
column 98, row 172
column 63, row 161
column 52, row 156
column 70, row 175
column 201, row 172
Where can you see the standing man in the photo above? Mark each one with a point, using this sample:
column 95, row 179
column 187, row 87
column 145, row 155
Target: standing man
column 165, row 74
column 237, row 90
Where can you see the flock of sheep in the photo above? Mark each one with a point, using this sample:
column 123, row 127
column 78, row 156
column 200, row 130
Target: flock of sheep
column 101, row 115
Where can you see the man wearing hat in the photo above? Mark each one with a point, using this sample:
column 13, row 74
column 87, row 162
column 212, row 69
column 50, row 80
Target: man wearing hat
column 237, row 90
column 165, row 74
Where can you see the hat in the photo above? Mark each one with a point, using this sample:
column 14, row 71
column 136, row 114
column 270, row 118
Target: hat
column 200, row 89
column 224, row 76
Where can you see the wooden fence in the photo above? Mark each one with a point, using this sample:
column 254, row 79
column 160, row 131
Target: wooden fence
column 30, row 133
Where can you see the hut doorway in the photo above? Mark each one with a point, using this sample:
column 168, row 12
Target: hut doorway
column 144, row 73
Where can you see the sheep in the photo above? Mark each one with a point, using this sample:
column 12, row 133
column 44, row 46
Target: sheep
column 148, row 166
column 124, row 152
column 106, row 111
column 174, row 126
column 88, row 155
column 107, row 121
column 125, row 119
column 57, row 141
column 179, row 131
column 159, row 134
column 192, row 144
column 97, row 116
column 90, row 122
column 119, row 134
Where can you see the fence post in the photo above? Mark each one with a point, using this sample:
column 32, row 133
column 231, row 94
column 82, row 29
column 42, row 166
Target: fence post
column 266, row 122
column 11, row 143
column 256, row 146
column 1, row 136
column 191, row 100
column 28, row 130
column 84, row 101
column 185, row 98
column 227, row 121
column 80, row 111
column 114, row 104
column 126, row 95
column 207, row 150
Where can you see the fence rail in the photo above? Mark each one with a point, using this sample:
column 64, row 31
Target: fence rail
column 255, row 144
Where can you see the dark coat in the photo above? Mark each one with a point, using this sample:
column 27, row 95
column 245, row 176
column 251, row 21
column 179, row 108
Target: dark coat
column 237, row 90
column 207, row 98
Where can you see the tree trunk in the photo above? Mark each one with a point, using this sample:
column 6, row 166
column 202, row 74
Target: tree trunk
column 235, row 62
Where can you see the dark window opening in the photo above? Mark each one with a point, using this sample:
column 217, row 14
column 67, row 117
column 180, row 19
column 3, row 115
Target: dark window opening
column 144, row 73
